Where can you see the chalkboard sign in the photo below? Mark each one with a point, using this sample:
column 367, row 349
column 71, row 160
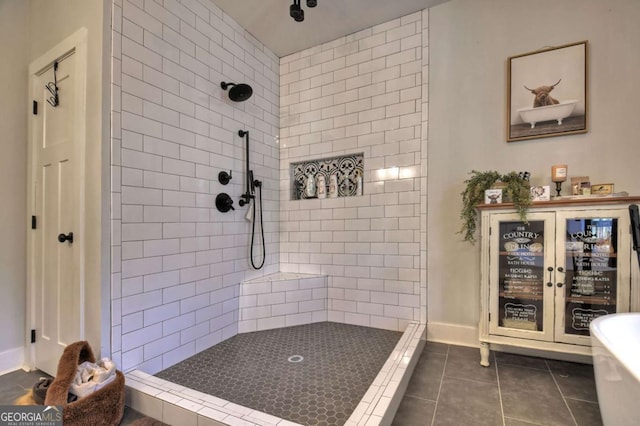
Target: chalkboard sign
column 592, row 271
column 521, row 275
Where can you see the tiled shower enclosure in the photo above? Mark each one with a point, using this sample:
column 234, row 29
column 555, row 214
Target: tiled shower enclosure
column 178, row 263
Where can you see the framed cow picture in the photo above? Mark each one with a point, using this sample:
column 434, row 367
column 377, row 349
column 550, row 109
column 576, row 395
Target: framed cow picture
column 547, row 92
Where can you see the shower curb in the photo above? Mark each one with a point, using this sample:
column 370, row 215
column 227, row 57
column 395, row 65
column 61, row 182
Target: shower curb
column 379, row 404
column 177, row 404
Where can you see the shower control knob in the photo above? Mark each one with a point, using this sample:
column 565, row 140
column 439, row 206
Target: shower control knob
column 224, row 177
column 224, row 203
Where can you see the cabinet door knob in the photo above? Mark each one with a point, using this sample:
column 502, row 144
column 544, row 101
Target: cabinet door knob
column 550, row 268
column 549, row 284
column 560, row 285
column 560, row 269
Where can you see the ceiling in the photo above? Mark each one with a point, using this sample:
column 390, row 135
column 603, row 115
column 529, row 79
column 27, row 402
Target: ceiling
column 269, row 20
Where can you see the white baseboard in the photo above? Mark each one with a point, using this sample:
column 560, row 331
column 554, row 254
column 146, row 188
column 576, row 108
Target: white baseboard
column 452, row 334
column 11, row 360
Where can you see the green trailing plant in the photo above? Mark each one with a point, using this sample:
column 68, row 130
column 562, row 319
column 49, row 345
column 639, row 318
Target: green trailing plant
column 515, row 189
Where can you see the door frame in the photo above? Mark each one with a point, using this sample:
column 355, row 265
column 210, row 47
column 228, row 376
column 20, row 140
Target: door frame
column 76, row 43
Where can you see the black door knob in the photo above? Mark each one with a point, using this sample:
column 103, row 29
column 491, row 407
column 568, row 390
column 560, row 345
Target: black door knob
column 69, row 237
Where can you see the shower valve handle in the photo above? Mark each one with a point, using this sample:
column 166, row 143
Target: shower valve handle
column 224, row 177
column 224, row 203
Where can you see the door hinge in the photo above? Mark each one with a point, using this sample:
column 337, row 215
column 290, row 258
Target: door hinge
column 35, row 108
column 33, row 335
column 33, row 222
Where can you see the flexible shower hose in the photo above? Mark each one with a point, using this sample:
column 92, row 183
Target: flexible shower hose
column 253, row 228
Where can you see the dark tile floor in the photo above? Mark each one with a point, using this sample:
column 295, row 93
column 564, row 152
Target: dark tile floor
column 338, row 364
column 449, row 387
column 18, row 383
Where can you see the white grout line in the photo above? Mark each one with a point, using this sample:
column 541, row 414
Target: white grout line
column 561, row 393
column 435, row 408
column 495, row 365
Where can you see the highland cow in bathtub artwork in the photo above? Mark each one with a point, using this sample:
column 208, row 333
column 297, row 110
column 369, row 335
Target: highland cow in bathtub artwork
column 547, row 92
column 542, row 95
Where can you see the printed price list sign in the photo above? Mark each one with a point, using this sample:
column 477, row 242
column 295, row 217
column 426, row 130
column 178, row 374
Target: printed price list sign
column 521, row 275
column 592, row 272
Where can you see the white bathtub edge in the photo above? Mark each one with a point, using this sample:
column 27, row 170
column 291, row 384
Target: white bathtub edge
column 628, row 356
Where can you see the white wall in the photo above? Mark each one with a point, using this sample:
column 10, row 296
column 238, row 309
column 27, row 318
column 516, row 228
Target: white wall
column 14, row 108
column 178, row 261
column 360, row 93
column 470, row 41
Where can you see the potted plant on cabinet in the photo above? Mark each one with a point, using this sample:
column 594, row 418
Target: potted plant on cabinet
column 515, row 190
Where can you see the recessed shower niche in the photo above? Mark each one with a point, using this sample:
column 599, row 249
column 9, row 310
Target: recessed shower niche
column 341, row 176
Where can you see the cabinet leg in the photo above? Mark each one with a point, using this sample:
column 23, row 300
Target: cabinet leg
column 484, row 354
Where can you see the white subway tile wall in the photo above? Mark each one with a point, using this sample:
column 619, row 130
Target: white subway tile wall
column 282, row 301
column 177, row 262
column 366, row 92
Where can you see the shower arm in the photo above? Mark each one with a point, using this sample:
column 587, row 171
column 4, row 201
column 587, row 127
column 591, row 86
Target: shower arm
column 248, row 195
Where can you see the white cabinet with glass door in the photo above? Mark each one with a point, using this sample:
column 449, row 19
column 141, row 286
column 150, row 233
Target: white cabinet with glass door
column 544, row 280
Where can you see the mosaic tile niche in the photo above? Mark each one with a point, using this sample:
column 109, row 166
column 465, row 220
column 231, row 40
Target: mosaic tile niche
column 346, row 168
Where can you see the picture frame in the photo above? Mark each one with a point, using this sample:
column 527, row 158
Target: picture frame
column 540, row 193
column 547, row 93
column 602, row 189
column 580, row 185
column 493, row 196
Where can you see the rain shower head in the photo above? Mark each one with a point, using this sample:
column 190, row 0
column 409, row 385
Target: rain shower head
column 238, row 92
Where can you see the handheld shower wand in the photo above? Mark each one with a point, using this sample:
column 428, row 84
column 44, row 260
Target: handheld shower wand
column 249, row 198
column 248, row 195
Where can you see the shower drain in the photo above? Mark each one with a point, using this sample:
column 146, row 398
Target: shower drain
column 295, row 358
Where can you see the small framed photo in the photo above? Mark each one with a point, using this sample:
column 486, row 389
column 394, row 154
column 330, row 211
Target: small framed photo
column 540, row 193
column 580, row 185
column 602, row 189
column 493, row 196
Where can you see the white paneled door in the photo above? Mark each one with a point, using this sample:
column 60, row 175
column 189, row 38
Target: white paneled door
column 56, row 151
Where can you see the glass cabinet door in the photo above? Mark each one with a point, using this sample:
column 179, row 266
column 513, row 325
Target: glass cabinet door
column 521, row 300
column 589, row 250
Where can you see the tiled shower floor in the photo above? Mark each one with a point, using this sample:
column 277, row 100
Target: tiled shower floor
column 339, row 362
